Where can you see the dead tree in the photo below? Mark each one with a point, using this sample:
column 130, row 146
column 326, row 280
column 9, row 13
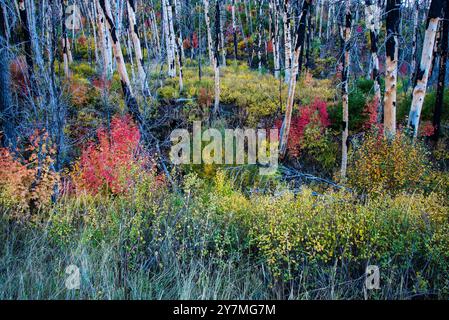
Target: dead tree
column 391, row 73
column 422, row 76
column 300, row 36
column 130, row 99
column 345, row 81
column 443, row 51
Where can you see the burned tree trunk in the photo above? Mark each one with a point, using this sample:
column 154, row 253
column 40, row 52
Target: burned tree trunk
column 130, row 99
column 216, row 61
column 300, row 36
column 208, row 31
column 6, row 114
column 442, row 73
column 287, row 41
column 131, row 6
column 167, row 16
column 422, row 76
column 65, row 41
column 274, row 6
column 26, row 39
column 234, row 29
column 345, row 82
column 372, row 14
column 391, row 50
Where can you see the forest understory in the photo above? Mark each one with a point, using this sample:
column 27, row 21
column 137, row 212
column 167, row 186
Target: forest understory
column 96, row 95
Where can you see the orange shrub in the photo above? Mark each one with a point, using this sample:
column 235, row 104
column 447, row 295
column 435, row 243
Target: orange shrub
column 28, row 183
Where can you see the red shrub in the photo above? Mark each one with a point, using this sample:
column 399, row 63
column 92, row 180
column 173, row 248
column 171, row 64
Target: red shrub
column 313, row 114
column 111, row 163
column 427, row 129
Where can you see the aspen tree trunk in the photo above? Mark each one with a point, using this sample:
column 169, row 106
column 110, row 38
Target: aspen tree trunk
column 391, row 50
column 172, row 35
column 287, row 41
column 179, row 50
column 93, row 24
column 167, row 21
column 309, row 35
column 27, row 42
column 415, row 41
column 130, row 100
column 274, row 9
column 155, row 33
column 345, row 82
column 234, row 29
column 442, row 73
column 208, row 31
column 7, row 138
column 300, row 36
column 178, row 19
column 65, row 41
column 372, row 16
column 104, row 42
column 222, row 42
column 259, row 38
column 321, row 8
column 131, row 6
column 329, row 21
column 216, row 62
column 419, row 91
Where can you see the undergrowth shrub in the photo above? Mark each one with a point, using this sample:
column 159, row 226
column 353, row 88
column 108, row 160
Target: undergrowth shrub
column 114, row 163
column 27, row 180
column 309, row 137
column 380, row 164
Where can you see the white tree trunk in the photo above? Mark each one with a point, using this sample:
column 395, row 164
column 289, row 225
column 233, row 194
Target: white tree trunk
column 208, row 31
column 131, row 6
column 419, row 92
column 391, row 73
column 300, row 35
column 372, row 17
column 169, row 39
column 345, row 97
column 274, row 5
column 287, row 41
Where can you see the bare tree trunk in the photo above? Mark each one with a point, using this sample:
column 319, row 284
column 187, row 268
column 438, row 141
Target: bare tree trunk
column 130, row 100
column 169, row 41
column 345, row 82
column 321, row 8
column 131, row 6
column 222, row 42
column 442, row 73
column 216, row 62
column 259, row 38
column 391, row 50
column 234, row 29
column 329, row 21
column 419, row 92
column 65, row 41
column 372, row 14
column 27, row 43
column 415, row 40
column 287, row 41
column 179, row 51
column 6, row 114
column 208, row 32
column 300, row 36
column 105, row 42
column 274, row 5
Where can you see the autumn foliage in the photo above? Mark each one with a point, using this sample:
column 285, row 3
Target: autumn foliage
column 27, row 180
column 313, row 114
column 113, row 163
